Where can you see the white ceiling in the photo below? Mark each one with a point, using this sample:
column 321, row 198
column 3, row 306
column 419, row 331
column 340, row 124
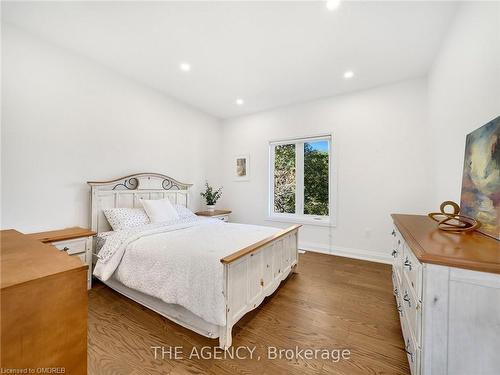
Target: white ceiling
column 268, row 53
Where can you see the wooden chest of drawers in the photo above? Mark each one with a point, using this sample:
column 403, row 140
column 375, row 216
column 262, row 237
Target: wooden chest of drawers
column 449, row 309
column 43, row 309
column 76, row 242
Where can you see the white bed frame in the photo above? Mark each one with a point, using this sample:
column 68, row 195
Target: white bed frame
column 250, row 274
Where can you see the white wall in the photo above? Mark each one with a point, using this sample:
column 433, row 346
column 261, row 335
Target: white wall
column 464, row 90
column 66, row 120
column 398, row 148
column 382, row 155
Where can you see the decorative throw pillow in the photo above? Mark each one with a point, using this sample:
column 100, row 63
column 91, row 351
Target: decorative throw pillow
column 183, row 212
column 125, row 218
column 159, row 210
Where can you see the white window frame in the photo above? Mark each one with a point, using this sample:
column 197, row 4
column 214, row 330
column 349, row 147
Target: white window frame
column 300, row 217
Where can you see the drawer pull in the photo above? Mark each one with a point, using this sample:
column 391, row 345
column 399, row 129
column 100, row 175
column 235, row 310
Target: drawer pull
column 65, row 248
column 400, row 310
column 394, row 253
column 399, row 242
column 406, row 298
column 393, row 233
column 396, row 292
column 407, row 263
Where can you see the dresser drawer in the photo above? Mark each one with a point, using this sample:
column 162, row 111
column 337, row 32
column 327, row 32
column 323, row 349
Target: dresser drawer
column 396, row 290
column 397, row 252
column 396, row 284
column 72, row 246
column 412, row 310
column 412, row 270
column 411, row 348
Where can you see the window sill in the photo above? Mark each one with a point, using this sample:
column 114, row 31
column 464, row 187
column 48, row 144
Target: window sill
column 301, row 220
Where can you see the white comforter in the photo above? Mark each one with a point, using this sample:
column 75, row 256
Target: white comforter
column 178, row 263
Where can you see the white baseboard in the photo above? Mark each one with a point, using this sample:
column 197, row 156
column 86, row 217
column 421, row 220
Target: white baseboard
column 372, row 256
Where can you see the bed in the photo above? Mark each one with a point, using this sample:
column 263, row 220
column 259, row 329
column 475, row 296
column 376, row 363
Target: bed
column 201, row 273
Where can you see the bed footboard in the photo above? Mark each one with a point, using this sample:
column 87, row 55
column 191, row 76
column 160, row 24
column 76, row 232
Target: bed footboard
column 255, row 272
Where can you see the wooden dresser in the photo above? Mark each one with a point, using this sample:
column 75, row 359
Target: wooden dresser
column 75, row 241
column 447, row 289
column 43, row 307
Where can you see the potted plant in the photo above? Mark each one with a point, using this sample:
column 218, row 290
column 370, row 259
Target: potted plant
column 211, row 196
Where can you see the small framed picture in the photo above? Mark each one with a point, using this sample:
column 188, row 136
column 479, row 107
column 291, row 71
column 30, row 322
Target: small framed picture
column 241, row 168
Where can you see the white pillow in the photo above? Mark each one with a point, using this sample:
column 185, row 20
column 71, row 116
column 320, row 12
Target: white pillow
column 159, row 210
column 125, row 218
column 183, row 212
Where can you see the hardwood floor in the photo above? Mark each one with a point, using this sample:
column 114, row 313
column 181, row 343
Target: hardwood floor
column 332, row 303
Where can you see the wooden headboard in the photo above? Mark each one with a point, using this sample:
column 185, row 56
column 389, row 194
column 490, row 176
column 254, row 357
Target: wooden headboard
column 127, row 191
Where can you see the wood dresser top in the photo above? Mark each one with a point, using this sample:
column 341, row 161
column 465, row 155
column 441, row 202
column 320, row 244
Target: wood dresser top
column 23, row 259
column 470, row 250
column 62, row 234
column 213, row 213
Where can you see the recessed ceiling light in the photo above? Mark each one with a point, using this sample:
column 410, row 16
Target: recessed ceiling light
column 349, row 74
column 185, row 67
column 239, row 101
column 332, row 4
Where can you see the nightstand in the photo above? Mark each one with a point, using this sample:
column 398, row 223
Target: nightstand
column 76, row 242
column 217, row 214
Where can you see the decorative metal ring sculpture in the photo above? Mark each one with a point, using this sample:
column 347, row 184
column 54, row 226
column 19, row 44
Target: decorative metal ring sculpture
column 453, row 221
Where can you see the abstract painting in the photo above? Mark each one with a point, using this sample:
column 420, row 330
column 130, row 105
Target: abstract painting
column 480, row 196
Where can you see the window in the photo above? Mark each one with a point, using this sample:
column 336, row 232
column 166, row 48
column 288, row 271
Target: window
column 300, row 180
